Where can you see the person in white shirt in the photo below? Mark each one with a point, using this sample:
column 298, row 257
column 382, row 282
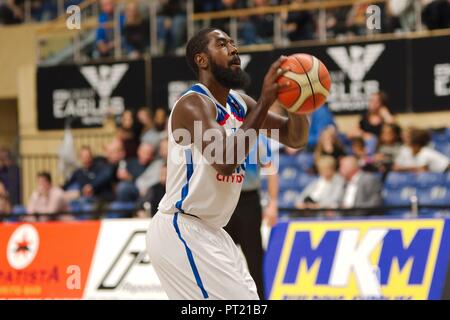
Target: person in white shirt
column 363, row 190
column 416, row 156
column 326, row 191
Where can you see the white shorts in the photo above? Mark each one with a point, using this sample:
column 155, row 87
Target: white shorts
column 195, row 261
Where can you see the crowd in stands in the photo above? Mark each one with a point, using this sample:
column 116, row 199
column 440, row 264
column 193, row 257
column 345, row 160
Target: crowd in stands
column 376, row 163
column 134, row 21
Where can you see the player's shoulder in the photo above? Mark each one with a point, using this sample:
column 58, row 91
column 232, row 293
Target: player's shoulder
column 193, row 103
column 245, row 100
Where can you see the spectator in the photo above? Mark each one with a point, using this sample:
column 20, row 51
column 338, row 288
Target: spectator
column 155, row 193
column 321, row 119
column 258, row 28
column 222, row 5
column 329, row 145
column 160, row 119
column 363, row 190
column 46, row 198
column 149, row 133
column 100, row 188
column 12, row 12
column 299, row 25
column 336, row 21
column 129, row 133
column 436, row 14
column 373, row 119
column 152, row 173
column 10, row 176
column 86, row 174
column 418, row 157
column 130, row 170
column 388, row 147
column 326, row 191
column 172, row 24
column 136, row 31
column 105, row 35
column 356, row 18
column 405, row 12
column 359, row 151
column 5, row 205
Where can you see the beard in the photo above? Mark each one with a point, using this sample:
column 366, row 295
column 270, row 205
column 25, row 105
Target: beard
column 229, row 78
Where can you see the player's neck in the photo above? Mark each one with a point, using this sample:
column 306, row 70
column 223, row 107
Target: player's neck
column 219, row 92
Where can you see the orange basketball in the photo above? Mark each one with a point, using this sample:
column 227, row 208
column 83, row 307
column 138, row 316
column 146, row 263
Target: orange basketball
column 309, row 84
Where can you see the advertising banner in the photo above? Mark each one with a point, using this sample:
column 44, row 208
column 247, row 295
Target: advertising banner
column 46, row 260
column 121, row 268
column 86, row 93
column 358, row 259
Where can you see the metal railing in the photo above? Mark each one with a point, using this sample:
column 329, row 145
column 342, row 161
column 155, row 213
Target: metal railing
column 194, row 21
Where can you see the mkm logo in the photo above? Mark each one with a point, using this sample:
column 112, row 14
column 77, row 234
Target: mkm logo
column 384, row 259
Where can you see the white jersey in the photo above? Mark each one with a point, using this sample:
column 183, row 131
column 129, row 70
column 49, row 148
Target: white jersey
column 193, row 186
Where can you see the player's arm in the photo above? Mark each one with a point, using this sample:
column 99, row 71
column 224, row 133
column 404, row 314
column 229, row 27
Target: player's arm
column 194, row 111
column 293, row 129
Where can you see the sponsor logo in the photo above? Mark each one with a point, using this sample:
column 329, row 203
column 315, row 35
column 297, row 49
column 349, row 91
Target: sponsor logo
column 355, row 63
column 82, row 102
column 442, row 80
column 358, row 260
column 23, row 246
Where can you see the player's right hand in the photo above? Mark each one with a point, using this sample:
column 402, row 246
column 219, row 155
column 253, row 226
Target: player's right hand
column 270, row 86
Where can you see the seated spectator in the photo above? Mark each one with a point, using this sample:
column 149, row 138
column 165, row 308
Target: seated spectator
column 100, row 188
column 160, row 119
column 321, row 119
column 136, row 31
column 356, row 18
column 388, row 147
column 299, row 25
column 149, row 133
column 12, row 12
column 130, row 170
column 416, row 156
column 363, row 190
column 151, row 175
column 86, row 174
column 129, row 133
column 5, row 205
column 436, row 14
column 405, row 11
column 329, row 145
column 46, row 198
column 10, row 176
column 104, row 41
column 155, row 193
column 373, row 119
column 172, row 24
column 326, row 191
column 365, row 161
column 336, row 22
column 258, row 28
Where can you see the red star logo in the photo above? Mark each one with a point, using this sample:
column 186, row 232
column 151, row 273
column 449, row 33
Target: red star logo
column 23, row 246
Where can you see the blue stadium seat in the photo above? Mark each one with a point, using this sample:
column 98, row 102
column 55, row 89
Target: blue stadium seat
column 116, row 205
column 397, row 180
column 288, row 177
column 398, row 197
column 447, row 180
column 287, row 161
column 288, row 198
column 437, row 195
column 18, row 209
column 371, row 145
column 443, row 148
column 305, row 161
column 264, row 183
column 303, row 180
column 430, row 179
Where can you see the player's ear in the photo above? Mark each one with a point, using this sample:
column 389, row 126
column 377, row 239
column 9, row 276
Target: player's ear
column 202, row 60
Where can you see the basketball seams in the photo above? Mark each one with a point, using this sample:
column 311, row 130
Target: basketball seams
column 307, row 75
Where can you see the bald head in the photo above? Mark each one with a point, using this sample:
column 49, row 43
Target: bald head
column 348, row 167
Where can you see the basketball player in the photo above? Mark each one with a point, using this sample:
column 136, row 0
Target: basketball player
column 193, row 256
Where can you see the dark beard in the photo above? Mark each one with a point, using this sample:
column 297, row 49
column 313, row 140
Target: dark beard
column 227, row 77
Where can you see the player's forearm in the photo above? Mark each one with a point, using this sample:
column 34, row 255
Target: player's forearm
column 294, row 133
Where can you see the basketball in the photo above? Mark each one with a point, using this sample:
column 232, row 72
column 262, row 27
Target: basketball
column 309, row 84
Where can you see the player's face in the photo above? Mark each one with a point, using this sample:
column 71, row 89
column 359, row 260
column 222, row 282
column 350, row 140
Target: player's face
column 224, row 61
